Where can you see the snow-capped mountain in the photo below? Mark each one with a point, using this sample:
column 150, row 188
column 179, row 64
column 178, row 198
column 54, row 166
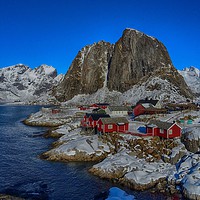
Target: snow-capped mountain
column 191, row 76
column 19, row 83
column 136, row 66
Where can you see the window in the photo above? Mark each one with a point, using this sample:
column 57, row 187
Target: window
column 161, row 130
column 110, row 126
column 170, row 132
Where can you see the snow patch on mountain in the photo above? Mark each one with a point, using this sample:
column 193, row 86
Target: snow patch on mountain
column 154, row 87
column 101, row 96
column 191, row 76
column 19, row 83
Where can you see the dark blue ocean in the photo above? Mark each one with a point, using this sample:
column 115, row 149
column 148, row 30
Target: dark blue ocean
column 24, row 174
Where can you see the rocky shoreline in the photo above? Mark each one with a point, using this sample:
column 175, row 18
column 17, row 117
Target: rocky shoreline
column 9, row 197
column 138, row 163
column 135, row 174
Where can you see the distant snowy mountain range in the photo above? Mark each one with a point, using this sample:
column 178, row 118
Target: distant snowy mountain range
column 191, row 76
column 19, row 83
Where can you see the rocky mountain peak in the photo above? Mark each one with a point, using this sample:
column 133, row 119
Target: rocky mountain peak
column 46, row 70
column 132, row 60
column 88, row 71
column 23, row 84
column 193, row 71
column 18, row 68
column 136, row 56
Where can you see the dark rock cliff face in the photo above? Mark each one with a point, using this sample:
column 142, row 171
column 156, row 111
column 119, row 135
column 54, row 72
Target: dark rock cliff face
column 133, row 59
column 87, row 73
column 136, row 55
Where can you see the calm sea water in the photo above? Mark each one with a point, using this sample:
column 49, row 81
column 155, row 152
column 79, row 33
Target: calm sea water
column 23, row 174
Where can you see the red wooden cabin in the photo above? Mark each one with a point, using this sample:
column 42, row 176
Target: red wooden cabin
column 110, row 125
column 55, row 111
column 90, row 119
column 100, row 105
column 139, row 109
column 163, row 129
column 83, row 107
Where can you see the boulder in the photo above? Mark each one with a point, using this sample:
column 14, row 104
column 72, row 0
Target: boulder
column 191, row 139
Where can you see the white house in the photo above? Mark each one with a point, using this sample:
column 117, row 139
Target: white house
column 117, row 110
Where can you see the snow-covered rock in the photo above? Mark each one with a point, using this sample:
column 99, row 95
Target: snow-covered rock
column 118, row 194
column 77, row 147
column 45, row 117
column 102, row 95
column 188, row 174
column 192, row 139
column 191, row 76
column 137, row 173
column 19, row 83
column 154, row 87
column 176, row 153
column 73, row 145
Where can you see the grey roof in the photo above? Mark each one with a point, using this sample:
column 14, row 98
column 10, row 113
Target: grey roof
column 114, row 120
column 160, row 124
column 118, row 108
column 102, row 104
column 151, row 101
column 96, row 116
column 147, row 105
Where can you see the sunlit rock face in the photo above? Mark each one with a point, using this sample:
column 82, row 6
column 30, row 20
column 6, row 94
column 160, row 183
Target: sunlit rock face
column 136, row 56
column 132, row 60
column 88, row 71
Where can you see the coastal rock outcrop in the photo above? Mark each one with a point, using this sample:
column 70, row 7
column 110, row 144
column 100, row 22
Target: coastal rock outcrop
column 176, row 153
column 47, row 117
column 9, row 197
column 131, row 171
column 76, row 147
column 188, row 176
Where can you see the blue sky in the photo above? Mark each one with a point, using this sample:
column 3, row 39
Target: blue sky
column 35, row 32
